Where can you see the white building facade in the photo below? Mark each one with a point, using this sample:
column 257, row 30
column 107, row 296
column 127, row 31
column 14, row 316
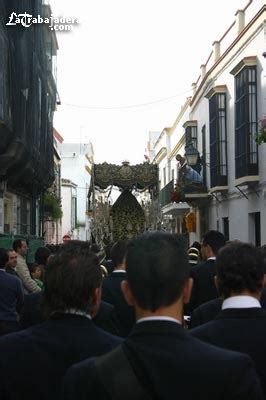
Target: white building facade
column 69, row 206
column 76, row 165
column 222, row 119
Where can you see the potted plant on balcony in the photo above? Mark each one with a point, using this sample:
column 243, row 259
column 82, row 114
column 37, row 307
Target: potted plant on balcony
column 260, row 137
column 52, row 205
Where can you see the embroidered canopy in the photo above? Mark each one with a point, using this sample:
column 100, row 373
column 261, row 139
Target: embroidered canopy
column 125, row 176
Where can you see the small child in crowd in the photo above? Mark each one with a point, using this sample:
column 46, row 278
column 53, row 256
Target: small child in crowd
column 36, row 273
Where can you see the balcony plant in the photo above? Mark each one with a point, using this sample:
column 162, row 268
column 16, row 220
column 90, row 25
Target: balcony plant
column 52, row 205
column 260, row 137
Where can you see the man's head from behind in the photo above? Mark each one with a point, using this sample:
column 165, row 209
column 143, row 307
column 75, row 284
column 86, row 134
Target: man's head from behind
column 42, row 255
column 72, row 280
column 212, row 241
column 240, row 270
column 20, row 246
column 118, row 253
column 157, row 269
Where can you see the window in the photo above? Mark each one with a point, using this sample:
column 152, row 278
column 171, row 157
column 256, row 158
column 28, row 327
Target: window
column 255, row 228
column 164, row 176
column 191, row 132
column 218, row 140
column 192, row 136
column 38, row 131
column 246, row 150
column 24, row 216
column 73, row 212
column 203, row 136
column 226, row 227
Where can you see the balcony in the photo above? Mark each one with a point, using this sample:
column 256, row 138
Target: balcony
column 196, row 194
column 169, row 203
column 165, row 194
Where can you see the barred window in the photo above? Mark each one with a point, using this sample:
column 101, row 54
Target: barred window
column 246, row 150
column 218, row 140
column 191, row 134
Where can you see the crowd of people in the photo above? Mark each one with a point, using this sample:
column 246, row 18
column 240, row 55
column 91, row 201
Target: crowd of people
column 152, row 320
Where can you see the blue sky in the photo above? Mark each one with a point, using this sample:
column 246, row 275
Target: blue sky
column 127, row 68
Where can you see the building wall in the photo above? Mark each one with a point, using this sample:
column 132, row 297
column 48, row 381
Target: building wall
column 76, row 167
column 53, row 228
column 238, row 204
column 67, row 194
column 26, row 145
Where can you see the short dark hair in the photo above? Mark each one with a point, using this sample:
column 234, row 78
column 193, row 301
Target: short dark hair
column 18, row 243
column 52, row 247
column 71, row 276
column 10, row 251
column 95, row 248
column 3, row 257
column 41, row 255
column 263, row 252
column 75, row 247
column 214, row 239
column 118, row 252
column 239, row 267
column 32, row 267
column 157, row 269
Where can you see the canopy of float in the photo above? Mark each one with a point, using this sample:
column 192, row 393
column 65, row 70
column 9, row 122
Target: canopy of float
column 141, row 176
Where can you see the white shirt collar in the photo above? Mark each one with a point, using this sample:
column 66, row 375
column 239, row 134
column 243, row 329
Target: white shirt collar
column 73, row 311
column 119, row 270
column 211, row 258
column 159, row 318
column 240, row 302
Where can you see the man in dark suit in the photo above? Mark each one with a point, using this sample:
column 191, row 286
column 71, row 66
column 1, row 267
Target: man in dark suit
column 12, row 262
column 160, row 360
column 203, row 274
column 112, row 292
column 33, row 361
column 208, row 311
column 32, row 314
column 205, row 312
column 241, row 325
column 11, row 297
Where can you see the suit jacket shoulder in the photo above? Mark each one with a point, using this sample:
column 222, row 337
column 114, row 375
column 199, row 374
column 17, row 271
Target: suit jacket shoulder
column 53, row 347
column 203, row 288
column 240, row 330
column 160, row 354
column 205, row 312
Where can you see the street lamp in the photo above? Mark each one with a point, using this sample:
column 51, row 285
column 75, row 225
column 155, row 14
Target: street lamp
column 191, row 154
